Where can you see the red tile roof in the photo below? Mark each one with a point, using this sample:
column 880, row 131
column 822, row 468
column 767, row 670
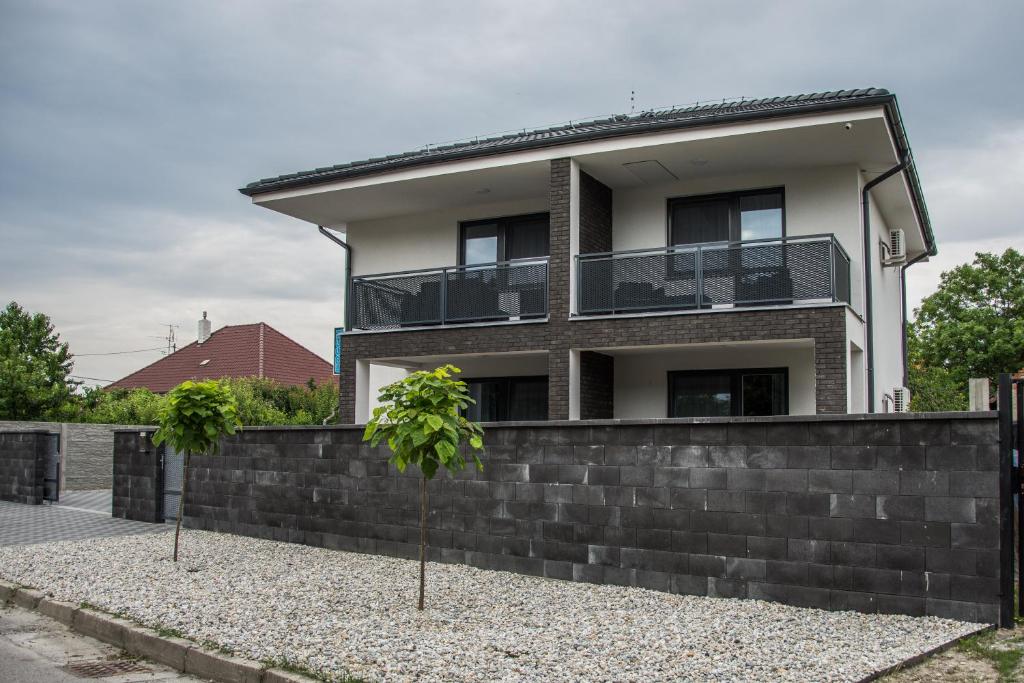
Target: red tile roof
column 256, row 350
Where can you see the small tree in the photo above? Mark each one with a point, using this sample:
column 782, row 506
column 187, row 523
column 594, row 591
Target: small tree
column 194, row 417
column 421, row 420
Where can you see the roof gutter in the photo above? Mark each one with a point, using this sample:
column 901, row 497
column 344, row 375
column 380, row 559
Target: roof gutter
column 869, row 315
column 903, row 302
column 348, row 270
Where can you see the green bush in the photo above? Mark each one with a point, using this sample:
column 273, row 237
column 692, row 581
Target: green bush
column 259, row 402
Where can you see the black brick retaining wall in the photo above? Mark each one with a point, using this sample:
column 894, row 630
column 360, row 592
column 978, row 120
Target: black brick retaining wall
column 23, row 465
column 870, row 513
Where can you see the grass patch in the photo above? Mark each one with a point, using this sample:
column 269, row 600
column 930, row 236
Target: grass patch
column 290, row 666
column 1004, row 655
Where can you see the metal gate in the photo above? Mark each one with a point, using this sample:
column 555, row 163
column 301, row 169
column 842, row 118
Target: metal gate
column 51, row 468
column 1011, row 438
column 174, row 475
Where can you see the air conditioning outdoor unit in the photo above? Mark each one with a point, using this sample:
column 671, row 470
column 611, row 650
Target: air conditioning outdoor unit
column 900, row 400
column 897, row 248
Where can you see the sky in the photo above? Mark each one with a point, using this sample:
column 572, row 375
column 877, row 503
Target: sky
column 127, row 127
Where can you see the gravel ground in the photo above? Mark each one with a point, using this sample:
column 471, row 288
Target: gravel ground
column 337, row 612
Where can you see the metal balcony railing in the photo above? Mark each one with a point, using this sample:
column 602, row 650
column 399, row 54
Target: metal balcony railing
column 803, row 269
column 508, row 290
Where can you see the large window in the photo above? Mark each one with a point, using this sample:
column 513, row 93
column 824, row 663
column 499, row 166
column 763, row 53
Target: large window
column 501, row 399
column 758, row 214
column 722, row 393
column 503, row 239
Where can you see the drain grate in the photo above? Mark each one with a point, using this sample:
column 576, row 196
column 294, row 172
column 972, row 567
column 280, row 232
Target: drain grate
column 104, row 668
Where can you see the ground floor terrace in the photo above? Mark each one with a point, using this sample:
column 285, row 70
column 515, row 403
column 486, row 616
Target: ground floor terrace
column 779, row 361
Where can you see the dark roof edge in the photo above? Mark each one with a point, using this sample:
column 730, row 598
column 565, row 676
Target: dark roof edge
column 884, row 98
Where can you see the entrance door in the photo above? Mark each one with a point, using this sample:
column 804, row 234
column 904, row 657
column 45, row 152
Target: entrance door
column 51, row 469
column 174, row 475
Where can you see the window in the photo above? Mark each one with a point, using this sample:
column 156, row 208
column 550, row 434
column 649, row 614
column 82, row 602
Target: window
column 753, row 215
column 503, row 239
column 501, row 399
column 721, row 393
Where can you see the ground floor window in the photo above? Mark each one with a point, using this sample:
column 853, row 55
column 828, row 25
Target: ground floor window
column 721, row 393
column 501, row 399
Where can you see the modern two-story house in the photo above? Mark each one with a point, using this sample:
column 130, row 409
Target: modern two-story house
column 742, row 258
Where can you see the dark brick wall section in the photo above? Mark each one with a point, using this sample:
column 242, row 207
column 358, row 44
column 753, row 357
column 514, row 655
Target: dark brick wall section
column 895, row 513
column 138, row 477
column 595, row 215
column 22, row 465
column 597, row 386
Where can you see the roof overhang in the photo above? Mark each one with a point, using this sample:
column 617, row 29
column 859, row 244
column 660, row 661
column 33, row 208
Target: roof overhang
column 809, row 135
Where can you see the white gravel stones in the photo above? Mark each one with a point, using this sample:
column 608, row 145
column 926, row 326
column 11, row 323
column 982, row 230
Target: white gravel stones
column 339, row 613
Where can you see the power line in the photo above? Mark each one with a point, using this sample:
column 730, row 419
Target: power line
column 94, row 379
column 117, row 353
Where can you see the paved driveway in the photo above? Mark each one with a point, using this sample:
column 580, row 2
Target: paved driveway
column 80, row 515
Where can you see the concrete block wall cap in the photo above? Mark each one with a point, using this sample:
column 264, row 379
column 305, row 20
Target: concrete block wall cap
column 222, row 667
column 27, row 598
column 775, row 419
column 169, row 650
column 64, row 612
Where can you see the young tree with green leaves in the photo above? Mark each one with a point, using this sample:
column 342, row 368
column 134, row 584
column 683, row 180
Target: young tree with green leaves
column 972, row 326
column 422, row 423
column 35, row 367
column 194, row 417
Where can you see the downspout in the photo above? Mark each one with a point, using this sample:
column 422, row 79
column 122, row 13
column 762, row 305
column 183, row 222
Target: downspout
column 903, row 297
column 348, row 269
column 868, row 263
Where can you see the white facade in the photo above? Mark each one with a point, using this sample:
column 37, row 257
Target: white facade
column 408, row 219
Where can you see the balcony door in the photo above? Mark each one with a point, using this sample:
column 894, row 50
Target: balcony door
column 724, row 393
column 732, row 217
column 500, row 399
column 503, row 239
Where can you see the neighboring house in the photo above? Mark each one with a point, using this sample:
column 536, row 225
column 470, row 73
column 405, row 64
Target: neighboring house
column 255, row 350
column 743, row 258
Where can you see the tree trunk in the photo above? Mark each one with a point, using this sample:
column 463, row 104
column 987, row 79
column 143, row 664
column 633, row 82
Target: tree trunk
column 423, row 537
column 181, row 504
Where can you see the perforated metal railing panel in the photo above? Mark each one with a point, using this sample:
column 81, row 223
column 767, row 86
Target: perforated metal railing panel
column 738, row 274
column 459, row 294
column 174, row 475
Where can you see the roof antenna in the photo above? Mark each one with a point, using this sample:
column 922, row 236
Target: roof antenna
column 632, row 101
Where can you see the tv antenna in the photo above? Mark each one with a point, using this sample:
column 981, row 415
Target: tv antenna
column 172, row 343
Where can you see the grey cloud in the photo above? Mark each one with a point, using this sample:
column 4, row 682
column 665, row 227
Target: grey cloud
column 125, row 127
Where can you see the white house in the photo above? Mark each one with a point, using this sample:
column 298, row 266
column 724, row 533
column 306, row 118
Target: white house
column 743, row 258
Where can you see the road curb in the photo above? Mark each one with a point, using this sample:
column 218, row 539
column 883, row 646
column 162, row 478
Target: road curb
column 178, row 653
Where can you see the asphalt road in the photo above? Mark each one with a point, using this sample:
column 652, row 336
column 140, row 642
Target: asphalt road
column 37, row 649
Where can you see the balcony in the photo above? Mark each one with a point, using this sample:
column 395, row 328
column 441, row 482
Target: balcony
column 790, row 270
column 492, row 292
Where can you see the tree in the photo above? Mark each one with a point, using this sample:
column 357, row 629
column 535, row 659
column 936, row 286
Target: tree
column 34, row 367
column 194, row 417
column 973, row 326
column 422, row 422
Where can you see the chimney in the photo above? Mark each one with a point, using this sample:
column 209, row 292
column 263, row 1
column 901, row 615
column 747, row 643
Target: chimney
column 204, row 329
